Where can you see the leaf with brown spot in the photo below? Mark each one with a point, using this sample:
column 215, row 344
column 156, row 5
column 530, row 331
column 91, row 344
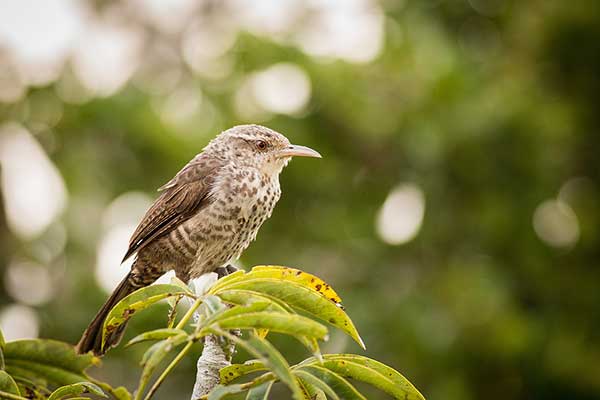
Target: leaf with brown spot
column 140, row 300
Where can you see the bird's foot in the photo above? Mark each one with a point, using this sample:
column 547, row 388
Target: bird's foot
column 226, row 270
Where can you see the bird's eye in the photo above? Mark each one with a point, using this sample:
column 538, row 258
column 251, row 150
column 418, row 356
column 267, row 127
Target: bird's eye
column 261, row 144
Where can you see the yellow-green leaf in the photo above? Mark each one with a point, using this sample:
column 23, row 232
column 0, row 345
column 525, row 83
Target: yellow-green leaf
column 297, row 276
column 221, row 391
column 302, row 298
column 269, row 356
column 340, row 385
column 316, row 382
column 372, row 372
column 291, row 324
column 246, row 297
column 234, row 311
column 260, row 392
column 226, row 280
column 53, row 362
column 235, row 371
column 139, row 300
column 155, row 354
column 75, row 390
column 157, row 334
column 8, row 384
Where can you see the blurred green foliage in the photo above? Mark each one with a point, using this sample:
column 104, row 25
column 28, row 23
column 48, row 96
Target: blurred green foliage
column 489, row 113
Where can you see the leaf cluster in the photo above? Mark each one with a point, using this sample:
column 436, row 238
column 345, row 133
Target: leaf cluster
column 242, row 309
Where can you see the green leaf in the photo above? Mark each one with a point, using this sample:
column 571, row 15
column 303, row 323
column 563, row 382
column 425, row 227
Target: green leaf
column 245, row 297
column 372, row 372
column 311, row 392
column 34, row 389
column 221, row 391
column 299, row 294
column 119, row 393
column 8, row 384
column 269, row 356
column 157, row 334
column 341, row 386
column 234, row 311
column 291, row 324
column 76, row 389
column 316, row 382
column 178, row 282
column 139, row 300
column 234, row 371
column 226, row 280
column 53, row 362
column 260, row 392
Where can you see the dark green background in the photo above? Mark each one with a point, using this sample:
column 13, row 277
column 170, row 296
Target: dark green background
column 498, row 115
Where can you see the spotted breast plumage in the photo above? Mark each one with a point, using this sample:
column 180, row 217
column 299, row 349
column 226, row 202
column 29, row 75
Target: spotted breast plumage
column 206, row 216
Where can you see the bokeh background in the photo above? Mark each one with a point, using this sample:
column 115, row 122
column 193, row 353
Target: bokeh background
column 456, row 209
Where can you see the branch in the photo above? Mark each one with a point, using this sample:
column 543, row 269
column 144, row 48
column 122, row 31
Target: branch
column 217, row 351
column 211, row 361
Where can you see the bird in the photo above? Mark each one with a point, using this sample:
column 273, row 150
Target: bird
column 204, row 217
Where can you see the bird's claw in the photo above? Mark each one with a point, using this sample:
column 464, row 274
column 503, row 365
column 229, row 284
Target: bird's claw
column 226, row 270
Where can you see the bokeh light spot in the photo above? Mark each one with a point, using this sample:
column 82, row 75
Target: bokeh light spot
column 33, row 189
column 111, row 249
column 400, row 218
column 282, row 88
column 556, row 224
column 19, row 322
column 349, row 30
column 119, row 221
column 118, row 46
column 28, row 282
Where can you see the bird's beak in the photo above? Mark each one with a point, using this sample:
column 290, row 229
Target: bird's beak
column 299, row 151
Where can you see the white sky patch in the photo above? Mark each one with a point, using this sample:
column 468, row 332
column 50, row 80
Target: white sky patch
column 283, row 88
column 33, row 189
column 401, row 216
column 107, row 56
column 19, row 322
column 556, row 224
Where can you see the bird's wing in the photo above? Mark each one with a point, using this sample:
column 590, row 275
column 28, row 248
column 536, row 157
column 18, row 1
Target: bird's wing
column 181, row 198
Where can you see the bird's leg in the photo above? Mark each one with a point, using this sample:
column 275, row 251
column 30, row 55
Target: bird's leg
column 226, row 270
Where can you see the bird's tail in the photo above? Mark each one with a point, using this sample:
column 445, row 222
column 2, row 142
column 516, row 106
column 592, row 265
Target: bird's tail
column 91, row 340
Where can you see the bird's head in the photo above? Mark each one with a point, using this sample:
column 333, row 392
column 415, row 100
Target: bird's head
column 255, row 146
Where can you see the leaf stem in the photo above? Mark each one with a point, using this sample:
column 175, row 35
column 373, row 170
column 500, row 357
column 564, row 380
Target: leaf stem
column 189, row 313
column 168, row 370
column 11, row 396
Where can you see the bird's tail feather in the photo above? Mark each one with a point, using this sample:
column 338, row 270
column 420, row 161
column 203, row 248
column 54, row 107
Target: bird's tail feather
column 91, row 340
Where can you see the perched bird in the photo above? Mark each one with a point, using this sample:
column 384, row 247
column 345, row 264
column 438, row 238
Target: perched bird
column 205, row 217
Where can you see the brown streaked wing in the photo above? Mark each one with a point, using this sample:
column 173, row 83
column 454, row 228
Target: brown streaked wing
column 180, row 199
